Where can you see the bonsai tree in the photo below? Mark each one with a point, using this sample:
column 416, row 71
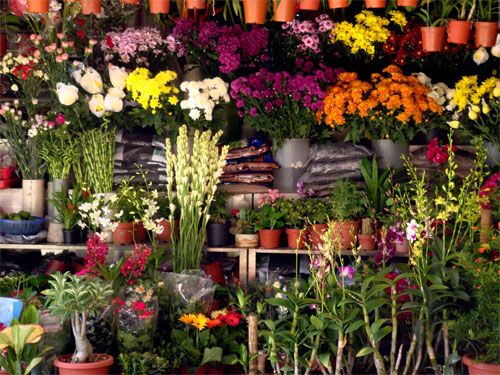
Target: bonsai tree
column 347, row 201
column 77, row 297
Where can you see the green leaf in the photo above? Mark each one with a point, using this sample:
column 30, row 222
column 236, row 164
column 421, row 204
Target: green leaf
column 280, row 302
column 34, row 362
column 380, row 334
column 211, row 355
column 354, row 326
column 318, row 324
column 375, row 303
column 376, row 325
column 30, row 315
column 365, row 351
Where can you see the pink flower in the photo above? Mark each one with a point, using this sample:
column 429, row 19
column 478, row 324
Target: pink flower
column 59, row 59
column 61, row 35
column 36, row 53
column 139, row 306
column 60, row 119
column 145, row 314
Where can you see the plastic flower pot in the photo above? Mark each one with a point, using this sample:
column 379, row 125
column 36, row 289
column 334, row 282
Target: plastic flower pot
column 459, row 31
column 212, row 370
column 367, row 241
column 269, row 238
column 159, row 6
column 335, row 4
column 297, row 238
column 6, row 172
column 124, row 234
column 433, row 38
column 486, row 33
column 309, row 4
column 38, row 6
column 348, row 232
column 71, row 236
column 195, row 4
column 65, row 367
column 10, row 308
column 3, row 44
column 476, row 368
column 285, row 12
column 214, row 270
column 407, row 3
column 315, row 232
column 139, row 232
column 195, row 371
column 56, row 266
column 375, row 3
column 255, row 11
column 91, row 6
column 165, row 236
column 247, row 240
column 218, row 234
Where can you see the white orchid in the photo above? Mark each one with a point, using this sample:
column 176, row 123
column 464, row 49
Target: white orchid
column 480, row 56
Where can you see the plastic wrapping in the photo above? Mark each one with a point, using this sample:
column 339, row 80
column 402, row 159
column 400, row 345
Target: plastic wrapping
column 21, row 239
column 250, row 178
column 247, row 152
column 332, row 152
column 140, row 139
column 250, row 166
column 191, row 289
column 308, row 178
column 320, row 169
column 139, row 153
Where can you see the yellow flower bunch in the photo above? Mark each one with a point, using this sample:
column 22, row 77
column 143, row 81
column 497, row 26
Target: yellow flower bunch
column 368, row 30
column 198, row 321
column 150, row 92
column 469, row 92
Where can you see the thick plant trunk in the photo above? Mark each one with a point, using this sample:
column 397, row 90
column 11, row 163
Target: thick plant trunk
column 83, row 347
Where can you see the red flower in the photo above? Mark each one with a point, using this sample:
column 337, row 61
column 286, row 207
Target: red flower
column 233, row 318
column 109, row 43
column 235, row 212
column 81, row 22
column 145, row 314
column 214, row 323
column 139, row 306
column 80, row 34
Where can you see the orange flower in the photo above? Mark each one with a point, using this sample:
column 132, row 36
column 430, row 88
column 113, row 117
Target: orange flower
column 482, row 249
column 213, row 323
column 474, row 229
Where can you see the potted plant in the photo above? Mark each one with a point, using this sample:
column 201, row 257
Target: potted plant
column 487, row 26
column 459, row 29
column 79, row 297
column 244, row 231
column 125, row 214
column 435, row 14
column 269, row 222
column 367, row 238
column 317, row 212
column 347, row 205
column 284, row 10
column 255, row 11
column 375, row 3
column 67, row 205
column 219, row 223
column 295, row 222
column 163, row 215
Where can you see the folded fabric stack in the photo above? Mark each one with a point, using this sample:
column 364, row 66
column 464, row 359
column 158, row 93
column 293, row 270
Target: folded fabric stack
column 140, row 152
column 330, row 162
column 252, row 164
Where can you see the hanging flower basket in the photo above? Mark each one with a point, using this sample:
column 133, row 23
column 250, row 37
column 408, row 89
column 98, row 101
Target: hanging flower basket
column 459, row 31
column 159, row 6
column 433, row 38
column 375, row 3
column 486, row 33
column 195, row 4
column 309, row 4
column 38, row 6
column 91, row 6
column 285, row 12
column 335, row 4
column 255, row 11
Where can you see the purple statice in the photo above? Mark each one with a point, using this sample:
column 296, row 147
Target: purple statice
column 387, row 244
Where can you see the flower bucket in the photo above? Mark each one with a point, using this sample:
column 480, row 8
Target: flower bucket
column 459, row 31
column 218, row 234
column 139, row 232
column 335, row 4
column 269, row 238
column 3, row 51
column 432, row 38
column 493, row 154
column 366, row 241
column 375, row 3
column 315, row 232
column 309, row 4
column 255, row 11
column 297, row 238
column 407, row 3
column 6, row 173
column 348, row 232
column 389, row 153
column 33, row 196
column 480, row 368
column 38, row 6
column 292, row 158
column 10, row 308
column 91, row 6
column 63, row 363
column 195, row 4
column 285, row 12
column 124, row 234
column 247, row 240
column 71, row 236
column 159, row 6
column 486, row 34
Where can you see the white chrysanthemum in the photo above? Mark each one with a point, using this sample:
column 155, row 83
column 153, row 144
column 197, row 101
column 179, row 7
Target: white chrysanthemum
column 194, row 114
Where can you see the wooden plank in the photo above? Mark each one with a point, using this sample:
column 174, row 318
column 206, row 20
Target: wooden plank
column 244, row 189
column 252, row 263
column 243, row 266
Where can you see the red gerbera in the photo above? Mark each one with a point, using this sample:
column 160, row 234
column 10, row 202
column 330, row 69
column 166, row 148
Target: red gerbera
column 233, row 318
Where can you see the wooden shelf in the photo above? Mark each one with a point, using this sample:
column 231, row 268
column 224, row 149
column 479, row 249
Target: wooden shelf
column 244, row 189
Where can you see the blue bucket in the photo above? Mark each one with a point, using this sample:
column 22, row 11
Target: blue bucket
column 10, row 308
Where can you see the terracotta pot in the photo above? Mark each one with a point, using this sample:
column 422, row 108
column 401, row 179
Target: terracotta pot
column 165, row 236
column 404, row 248
column 93, row 368
column 234, row 369
column 247, row 240
column 216, row 370
column 407, row 3
column 367, row 241
column 459, row 31
column 139, row 232
column 480, row 368
column 309, row 4
column 297, row 238
column 255, row 11
column 3, row 51
column 200, row 371
column 486, row 33
column 132, row 2
column 124, row 234
column 38, row 6
column 3, row 372
column 56, row 266
column 159, row 6
column 91, row 6
column 432, row 38
column 195, row 4
column 286, row 10
column 315, row 232
column 334, row 4
column 77, row 267
column 348, row 232
column 269, row 238
column 215, row 271
column 375, row 3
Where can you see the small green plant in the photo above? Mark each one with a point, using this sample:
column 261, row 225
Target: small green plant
column 317, row 211
column 435, row 12
column 245, row 222
column 294, row 212
column 67, row 207
column 269, row 217
column 218, row 211
column 347, row 200
column 136, row 363
column 376, row 187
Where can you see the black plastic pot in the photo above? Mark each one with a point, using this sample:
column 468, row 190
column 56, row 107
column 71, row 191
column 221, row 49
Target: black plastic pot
column 83, row 235
column 71, row 236
column 218, row 234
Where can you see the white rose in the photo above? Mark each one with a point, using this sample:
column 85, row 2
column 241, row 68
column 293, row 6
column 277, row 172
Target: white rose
column 480, row 56
column 67, row 94
column 14, row 87
column 116, row 92
column 91, row 81
column 113, row 103
column 96, row 105
column 118, row 77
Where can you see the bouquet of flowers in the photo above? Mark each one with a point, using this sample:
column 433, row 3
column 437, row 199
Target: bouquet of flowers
column 392, row 105
column 282, row 104
column 203, row 100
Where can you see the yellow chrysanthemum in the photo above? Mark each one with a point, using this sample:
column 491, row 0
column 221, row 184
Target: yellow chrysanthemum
column 149, row 91
column 187, row 318
column 398, row 18
column 200, row 321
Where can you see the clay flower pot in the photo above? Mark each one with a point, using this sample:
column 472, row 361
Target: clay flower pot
column 404, row 248
column 139, row 232
column 315, row 232
column 348, row 232
column 133, row 2
column 215, row 271
column 366, row 241
column 38, row 6
column 433, row 38
column 91, row 6
column 246, row 240
column 159, row 6
column 480, row 368
column 77, row 267
column 269, row 238
column 91, row 368
column 407, row 3
column 195, row 4
column 56, row 266
column 297, row 238
column 6, row 172
column 335, row 4
column 124, row 234
column 486, row 34
column 309, row 4
column 165, row 236
column 285, row 12
column 255, row 11
column 459, row 31
column 375, row 3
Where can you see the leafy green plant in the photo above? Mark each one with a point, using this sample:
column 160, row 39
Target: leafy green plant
column 317, row 211
column 435, row 12
column 147, row 363
column 376, row 187
column 347, row 201
column 269, row 217
column 294, row 212
column 67, row 205
column 487, row 10
column 218, row 211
